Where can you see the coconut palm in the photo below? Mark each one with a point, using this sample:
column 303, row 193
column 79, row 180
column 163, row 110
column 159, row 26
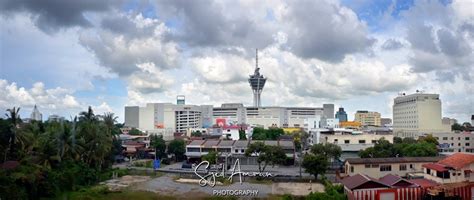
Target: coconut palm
column 13, row 117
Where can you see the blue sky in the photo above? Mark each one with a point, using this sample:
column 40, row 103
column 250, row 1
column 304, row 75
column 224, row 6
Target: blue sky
column 356, row 54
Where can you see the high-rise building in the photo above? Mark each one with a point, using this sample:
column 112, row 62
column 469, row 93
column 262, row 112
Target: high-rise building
column 257, row 82
column 472, row 120
column 328, row 111
column 180, row 100
column 416, row 114
column 367, row 118
column 36, row 115
column 341, row 115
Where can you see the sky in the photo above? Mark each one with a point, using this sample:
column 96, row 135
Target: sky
column 67, row 55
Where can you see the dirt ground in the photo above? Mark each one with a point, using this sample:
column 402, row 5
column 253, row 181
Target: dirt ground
column 298, row 189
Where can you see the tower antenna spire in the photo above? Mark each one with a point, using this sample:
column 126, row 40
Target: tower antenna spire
column 256, row 58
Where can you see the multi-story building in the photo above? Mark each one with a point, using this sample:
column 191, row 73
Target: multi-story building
column 455, row 142
column 328, row 111
column 180, row 117
column 379, row 167
column 156, row 116
column 350, row 141
column 447, row 123
column 416, row 114
column 341, row 115
column 36, row 115
column 55, row 118
column 367, row 118
column 456, row 168
column 232, row 150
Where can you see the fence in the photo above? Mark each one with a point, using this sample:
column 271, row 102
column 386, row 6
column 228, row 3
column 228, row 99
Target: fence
column 462, row 192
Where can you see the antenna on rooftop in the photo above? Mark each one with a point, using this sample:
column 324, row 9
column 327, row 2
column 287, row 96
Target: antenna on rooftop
column 256, row 58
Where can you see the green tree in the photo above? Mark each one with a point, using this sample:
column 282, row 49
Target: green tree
column 242, row 135
column 273, row 133
column 178, row 148
column 196, row 133
column 159, row 144
column 13, row 116
column 328, row 150
column 397, row 140
column 211, row 157
column 457, row 127
column 421, row 149
column 315, row 164
column 135, row 131
column 266, row 155
column 429, row 138
column 381, row 149
column 259, row 134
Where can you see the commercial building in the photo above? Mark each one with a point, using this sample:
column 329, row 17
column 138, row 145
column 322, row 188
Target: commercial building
column 447, row 123
column 416, row 114
column 379, row 167
column 350, row 141
column 36, row 115
column 328, row 111
column 456, row 168
column 166, row 117
column 367, row 118
column 155, row 117
column 341, row 115
column 55, row 118
column 232, row 150
column 455, row 142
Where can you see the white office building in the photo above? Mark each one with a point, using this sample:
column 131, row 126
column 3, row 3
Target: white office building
column 36, row 115
column 416, row 114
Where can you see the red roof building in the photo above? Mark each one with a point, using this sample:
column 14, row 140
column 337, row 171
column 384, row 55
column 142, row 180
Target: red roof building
column 452, row 169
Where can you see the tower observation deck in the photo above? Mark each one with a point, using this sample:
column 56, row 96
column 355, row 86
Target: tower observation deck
column 257, row 81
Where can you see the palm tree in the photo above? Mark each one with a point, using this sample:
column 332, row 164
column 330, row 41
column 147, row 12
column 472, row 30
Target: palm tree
column 14, row 117
column 109, row 121
column 87, row 115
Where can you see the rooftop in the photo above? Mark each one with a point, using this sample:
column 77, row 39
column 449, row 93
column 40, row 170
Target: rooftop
column 359, row 180
column 458, row 160
column 392, row 160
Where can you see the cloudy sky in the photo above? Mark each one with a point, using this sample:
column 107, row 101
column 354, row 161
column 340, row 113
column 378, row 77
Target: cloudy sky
column 66, row 55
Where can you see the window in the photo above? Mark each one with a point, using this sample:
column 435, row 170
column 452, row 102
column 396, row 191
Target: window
column 428, row 171
column 459, row 138
column 467, row 138
column 403, row 167
column 385, row 168
column 411, row 166
column 445, row 138
column 374, row 141
column 468, row 144
column 375, row 166
column 367, row 165
column 352, row 168
column 335, row 140
column 467, row 174
column 346, row 141
column 361, row 141
column 242, row 151
column 236, row 151
column 459, row 144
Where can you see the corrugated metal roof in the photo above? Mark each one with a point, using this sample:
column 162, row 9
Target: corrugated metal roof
column 392, row 160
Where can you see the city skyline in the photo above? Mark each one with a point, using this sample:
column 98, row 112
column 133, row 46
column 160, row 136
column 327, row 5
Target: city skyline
column 111, row 55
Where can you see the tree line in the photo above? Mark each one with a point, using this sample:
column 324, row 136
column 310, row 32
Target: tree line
column 43, row 159
column 406, row 147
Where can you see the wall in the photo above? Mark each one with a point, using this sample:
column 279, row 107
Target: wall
column 376, row 173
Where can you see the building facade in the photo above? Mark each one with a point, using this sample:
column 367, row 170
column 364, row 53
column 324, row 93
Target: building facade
column 416, row 114
column 341, row 115
column 379, row 167
column 36, row 115
column 367, row 118
column 456, row 168
column 455, row 142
